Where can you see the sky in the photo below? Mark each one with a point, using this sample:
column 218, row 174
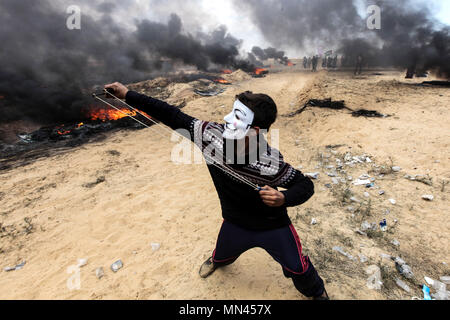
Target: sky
column 206, row 15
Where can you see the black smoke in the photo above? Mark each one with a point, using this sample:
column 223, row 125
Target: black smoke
column 409, row 36
column 48, row 71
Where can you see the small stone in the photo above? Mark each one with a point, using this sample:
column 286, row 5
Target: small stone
column 354, row 199
column 366, row 194
column 392, row 201
column 349, row 178
column 117, row 265
column 335, row 180
column 395, row 242
column 313, row 221
column 350, row 209
column 428, row 197
column 312, row 175
column 82, row 262
column 331, row 174
column 155, row 246
column 328, row 186
column 360, row 182
column 381, row 192
column 362, row 258
column 99, row 273
column 366, row 226
column 385, row 256
column 396, row 169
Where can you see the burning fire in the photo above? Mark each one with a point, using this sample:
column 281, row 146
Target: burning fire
column 227, row 71
column 259, row 71
column 222, row 81
column 107, row 114
column 290, row 64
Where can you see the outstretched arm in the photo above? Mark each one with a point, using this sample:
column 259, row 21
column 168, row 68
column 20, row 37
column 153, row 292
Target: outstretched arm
column 160, row 110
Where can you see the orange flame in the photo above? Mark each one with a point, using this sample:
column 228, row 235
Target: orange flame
column 227, row 71
column 258, row 71
column 106, row 114
column 223, row 81
column 290, row 64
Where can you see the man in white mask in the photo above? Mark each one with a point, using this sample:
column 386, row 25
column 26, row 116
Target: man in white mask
column 238, row 122
column 252, row 218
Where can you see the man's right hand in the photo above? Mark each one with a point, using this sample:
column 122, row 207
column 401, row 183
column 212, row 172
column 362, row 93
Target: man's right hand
column 120, row 91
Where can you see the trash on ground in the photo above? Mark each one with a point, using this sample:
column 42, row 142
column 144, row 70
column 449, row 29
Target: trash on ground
column 374, row 279
column 99, row 273
column 341, row 251
column 383, row 225
column 117, row 265
column 17, row 267
column 402, row 285
column 428, row 197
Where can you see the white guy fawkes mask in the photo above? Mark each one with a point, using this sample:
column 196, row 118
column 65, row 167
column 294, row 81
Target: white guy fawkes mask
column 238, row 121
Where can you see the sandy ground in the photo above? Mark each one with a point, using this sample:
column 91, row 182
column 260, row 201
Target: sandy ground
column 50, row 218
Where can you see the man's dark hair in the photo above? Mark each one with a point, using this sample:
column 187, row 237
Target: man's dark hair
column 263, row 107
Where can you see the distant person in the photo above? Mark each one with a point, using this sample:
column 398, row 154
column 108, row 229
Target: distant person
column 359, row 63
column 305, row 62
column 315, row 61
column 253, row 217
column 309, row 62
column 334, row 63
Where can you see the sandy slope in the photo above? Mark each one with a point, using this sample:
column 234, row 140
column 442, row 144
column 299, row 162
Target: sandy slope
column 49, row 219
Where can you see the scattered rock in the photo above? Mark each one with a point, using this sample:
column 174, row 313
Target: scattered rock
column 385, row 256
column 396, row 169
column 313, row 221
column 82, row 262
column 99, row 273
column 360, row 182
column 335, row 180
column 329, row 186
column 117, row 265
column 331, row 174
column 395, row 242
column 366, row 194
column 354, row 199
column 155, row 246
column 362, row 258
column 313, row 175
column 392, row 201
column 381, row 192
column 350, row 209
column 428, row 197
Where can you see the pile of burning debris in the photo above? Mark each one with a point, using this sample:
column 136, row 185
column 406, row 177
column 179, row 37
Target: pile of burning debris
column 177, row 90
